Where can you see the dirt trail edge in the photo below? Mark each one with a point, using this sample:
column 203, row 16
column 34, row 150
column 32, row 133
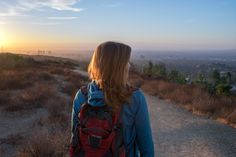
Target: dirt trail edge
column 179, row 133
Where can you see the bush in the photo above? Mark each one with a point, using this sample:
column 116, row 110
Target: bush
column 46, row 144
column 30, row 98
column 223, row 89
column 155, row 69
column 14, row 80
column 9, row 61
column 4, row 98
column 176, row 76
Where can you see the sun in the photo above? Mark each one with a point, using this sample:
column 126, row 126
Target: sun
column 2, row 41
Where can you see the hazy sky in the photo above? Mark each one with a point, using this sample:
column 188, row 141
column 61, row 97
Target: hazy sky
column 144, row 24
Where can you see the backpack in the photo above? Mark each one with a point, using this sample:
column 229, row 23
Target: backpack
column 99, row 132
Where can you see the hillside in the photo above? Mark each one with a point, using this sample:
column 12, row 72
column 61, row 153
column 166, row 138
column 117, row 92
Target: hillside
column 36, row 94
column 35, row 104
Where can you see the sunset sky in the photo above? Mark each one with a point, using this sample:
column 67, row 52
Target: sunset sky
column 144, row 24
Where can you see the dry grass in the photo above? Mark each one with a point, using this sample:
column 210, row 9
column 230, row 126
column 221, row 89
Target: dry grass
column 4, row 98
column 36, row 84
column 58, row 109
column 30, row 98
column 10, row 61
column 74, row 82
column 46, row 144
column 232, row 117
column 194, row 99
column 135, row 78
column 12, row 140
column 10, row 80
column 56, row 71
column 49, row 85
column 21, row 79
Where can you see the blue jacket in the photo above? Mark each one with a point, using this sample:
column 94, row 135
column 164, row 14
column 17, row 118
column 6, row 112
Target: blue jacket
column 135, row 119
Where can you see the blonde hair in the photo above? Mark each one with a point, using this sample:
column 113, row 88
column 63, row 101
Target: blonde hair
column 109, row 69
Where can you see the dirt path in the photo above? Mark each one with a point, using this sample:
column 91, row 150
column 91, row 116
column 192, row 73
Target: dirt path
column 16, row 127
column 178, row 133
column 12, row 124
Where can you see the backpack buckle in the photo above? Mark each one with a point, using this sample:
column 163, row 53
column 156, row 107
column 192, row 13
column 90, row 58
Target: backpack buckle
column 94, row 141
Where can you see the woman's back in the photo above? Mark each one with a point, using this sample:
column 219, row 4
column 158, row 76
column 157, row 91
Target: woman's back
column 137, row 134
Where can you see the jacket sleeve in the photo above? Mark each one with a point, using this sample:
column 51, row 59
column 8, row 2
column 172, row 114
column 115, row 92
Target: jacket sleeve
column 143, row 128
column 79, row 99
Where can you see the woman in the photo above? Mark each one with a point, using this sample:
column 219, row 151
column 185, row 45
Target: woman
column 108, row 71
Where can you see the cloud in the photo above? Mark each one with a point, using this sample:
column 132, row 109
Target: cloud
column 11, row 11
column 61, row 5
column 21, row 7
column 3, row 23
column 62, row 18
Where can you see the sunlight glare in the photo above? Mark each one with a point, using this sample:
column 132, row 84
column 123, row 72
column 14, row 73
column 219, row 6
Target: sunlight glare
column 2, row 41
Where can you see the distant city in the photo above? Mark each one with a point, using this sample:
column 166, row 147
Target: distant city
column 190, row 63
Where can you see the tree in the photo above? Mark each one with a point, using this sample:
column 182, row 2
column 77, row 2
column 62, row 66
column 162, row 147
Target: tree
column 160, row 69
column 216, row 76
column 223, row 89
column 201, row 79
column 176, row 77
column 229, row 78
column 148, row 69
column 155, row 69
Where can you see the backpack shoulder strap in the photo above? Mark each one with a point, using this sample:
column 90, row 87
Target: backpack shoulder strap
column 133, row 89
column 84, row 90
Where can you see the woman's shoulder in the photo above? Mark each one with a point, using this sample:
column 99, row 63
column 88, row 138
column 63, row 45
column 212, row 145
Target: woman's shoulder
column 82, row 91
column 137, row 103
column 80, row 97
column 136, row 92
column 138, row 98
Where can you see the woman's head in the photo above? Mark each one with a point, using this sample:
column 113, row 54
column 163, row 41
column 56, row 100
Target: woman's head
column 109, row 64
column 109, row 67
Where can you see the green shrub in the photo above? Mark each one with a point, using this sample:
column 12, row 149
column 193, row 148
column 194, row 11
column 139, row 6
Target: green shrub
column 155, row 69
column 223, row 89
column 176, row 76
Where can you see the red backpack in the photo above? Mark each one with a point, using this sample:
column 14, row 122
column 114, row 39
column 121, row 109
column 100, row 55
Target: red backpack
column 99, row 132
